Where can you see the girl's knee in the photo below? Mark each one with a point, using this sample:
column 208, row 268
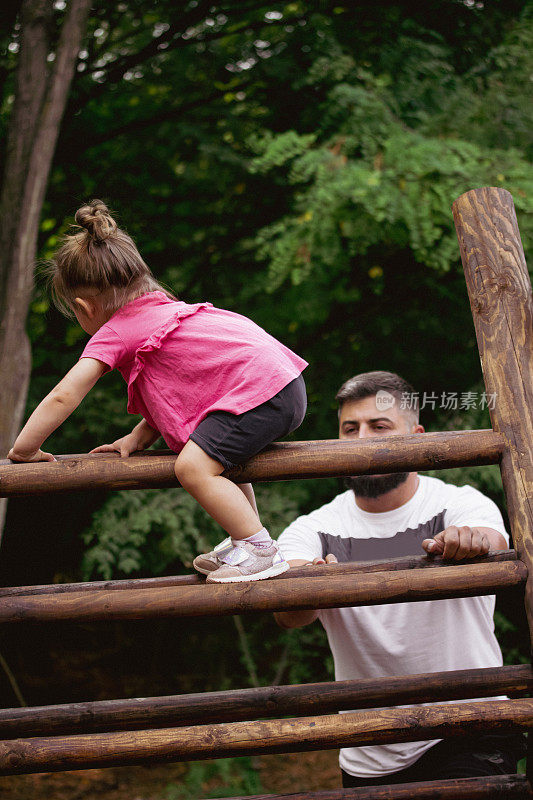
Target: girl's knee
column 193, row 466
column 190, row 468
column 186, row 468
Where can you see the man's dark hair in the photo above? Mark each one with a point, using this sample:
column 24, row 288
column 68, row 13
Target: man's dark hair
column 368, row 384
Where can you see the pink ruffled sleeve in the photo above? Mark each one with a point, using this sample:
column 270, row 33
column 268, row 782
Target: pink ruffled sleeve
column 107, row 346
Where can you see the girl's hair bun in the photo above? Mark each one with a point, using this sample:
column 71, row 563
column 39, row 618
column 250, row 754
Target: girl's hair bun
column 97, row 220
column 100, row 257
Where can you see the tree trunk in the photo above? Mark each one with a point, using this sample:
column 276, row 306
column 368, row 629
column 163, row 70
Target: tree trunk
column 41, row 91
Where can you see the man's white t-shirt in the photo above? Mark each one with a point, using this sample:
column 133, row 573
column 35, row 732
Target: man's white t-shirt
column 402, row 638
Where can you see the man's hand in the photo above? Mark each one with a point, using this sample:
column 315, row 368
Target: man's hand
column 37, row 455
column 330, row 559
column 298, row 619
column 459, row 543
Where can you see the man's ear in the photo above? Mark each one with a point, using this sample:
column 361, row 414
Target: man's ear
column 86, row 305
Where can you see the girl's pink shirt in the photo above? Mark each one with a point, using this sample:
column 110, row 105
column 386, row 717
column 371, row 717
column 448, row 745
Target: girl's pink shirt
column 183, row 361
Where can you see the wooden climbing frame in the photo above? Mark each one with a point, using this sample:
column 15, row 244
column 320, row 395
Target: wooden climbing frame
column 293, row 718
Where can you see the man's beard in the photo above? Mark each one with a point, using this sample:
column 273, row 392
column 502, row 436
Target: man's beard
column 375, row 485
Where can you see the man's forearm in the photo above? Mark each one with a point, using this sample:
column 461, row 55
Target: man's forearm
column 295, row 619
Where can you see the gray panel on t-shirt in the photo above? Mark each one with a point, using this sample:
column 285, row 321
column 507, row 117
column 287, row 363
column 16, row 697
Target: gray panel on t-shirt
column 403, row 543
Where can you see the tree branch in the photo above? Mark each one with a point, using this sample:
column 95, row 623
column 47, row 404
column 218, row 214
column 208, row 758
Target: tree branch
column 117, row 68
column 137, row 125
column 13, row 682
column 282, row 665
column 30, row 89
column 246, row 652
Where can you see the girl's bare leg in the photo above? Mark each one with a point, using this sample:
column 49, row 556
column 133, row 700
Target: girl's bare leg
column 228, row 504
column 248, row 492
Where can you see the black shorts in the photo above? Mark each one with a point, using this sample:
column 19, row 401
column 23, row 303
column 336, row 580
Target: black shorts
column 232, row 439
column 495, row 753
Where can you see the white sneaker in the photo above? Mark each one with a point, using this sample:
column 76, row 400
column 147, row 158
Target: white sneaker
column 207, row 562
column 246, row 562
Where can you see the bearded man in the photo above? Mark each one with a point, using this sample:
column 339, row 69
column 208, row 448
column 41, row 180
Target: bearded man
column 389, row 516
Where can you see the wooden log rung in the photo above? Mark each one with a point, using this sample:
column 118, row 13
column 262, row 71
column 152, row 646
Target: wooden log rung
column 335, row 591
column 268, row 701
column 310, row 571
column 279, row 461
column 493, row 787
column 377, row 726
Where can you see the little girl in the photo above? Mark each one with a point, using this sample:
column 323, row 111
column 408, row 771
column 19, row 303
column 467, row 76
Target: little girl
column 215, row 385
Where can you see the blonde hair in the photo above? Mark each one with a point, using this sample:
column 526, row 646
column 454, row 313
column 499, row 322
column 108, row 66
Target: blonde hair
column 99, row 256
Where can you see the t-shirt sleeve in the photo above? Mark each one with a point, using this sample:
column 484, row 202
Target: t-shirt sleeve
column 471, row 507
column 107, row 346
column 301, row 540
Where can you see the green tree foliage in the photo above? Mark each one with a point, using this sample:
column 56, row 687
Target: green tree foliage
column 150, row 531
column 354, row 184
column 224, row 777
column 295, row 162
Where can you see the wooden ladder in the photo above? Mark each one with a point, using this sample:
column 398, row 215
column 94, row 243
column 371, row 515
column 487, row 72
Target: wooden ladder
column 240, row 722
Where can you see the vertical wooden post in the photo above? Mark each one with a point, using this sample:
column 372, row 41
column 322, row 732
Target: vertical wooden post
column 500, row 295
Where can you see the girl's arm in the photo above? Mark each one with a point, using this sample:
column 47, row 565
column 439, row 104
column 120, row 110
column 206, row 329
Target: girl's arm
column 54, row 409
